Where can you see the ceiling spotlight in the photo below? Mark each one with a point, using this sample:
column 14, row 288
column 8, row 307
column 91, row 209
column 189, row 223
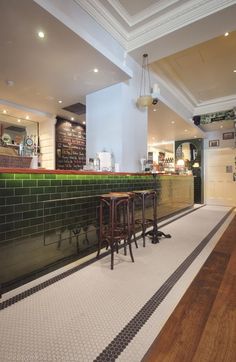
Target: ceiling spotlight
column 234, row 70
column 72, row 119
column 95, row 70
column 172, row 122
column 27, row 117
column 226, row 34
column 18, row 120
column 185, row 130
column 221, row 126
column 195, row 136
column 154, row 110
column 41, row 34
column 59, row 101
column 4, row 111
column 84, row 122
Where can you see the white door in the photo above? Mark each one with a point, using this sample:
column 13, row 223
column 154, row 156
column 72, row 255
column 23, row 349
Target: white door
column 220, row 189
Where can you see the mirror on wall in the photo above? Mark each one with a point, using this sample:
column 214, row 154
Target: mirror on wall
column 186, row 151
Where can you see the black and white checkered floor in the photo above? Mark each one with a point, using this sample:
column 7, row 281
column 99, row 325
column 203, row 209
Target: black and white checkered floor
column 93, row 313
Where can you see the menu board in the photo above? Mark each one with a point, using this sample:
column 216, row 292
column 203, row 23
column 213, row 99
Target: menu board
column 70, row 145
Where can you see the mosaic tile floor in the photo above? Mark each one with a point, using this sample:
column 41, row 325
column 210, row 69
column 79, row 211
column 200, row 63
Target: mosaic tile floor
column 103, row 315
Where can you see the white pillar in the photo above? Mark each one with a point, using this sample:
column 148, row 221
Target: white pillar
column 115, row 124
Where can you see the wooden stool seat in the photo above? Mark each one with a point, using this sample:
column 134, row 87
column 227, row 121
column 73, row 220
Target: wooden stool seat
column 111, row 229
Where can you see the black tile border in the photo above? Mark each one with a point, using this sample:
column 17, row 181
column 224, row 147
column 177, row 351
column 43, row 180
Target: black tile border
column 27, row 293
column 125, row 336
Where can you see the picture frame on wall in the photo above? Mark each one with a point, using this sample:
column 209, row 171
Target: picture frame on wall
column 228, row 135
column 214, row 143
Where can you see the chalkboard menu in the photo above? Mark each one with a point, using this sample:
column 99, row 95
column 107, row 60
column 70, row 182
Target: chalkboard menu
column 70, row 145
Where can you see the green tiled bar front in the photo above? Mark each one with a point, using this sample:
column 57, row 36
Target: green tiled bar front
column 48, row 219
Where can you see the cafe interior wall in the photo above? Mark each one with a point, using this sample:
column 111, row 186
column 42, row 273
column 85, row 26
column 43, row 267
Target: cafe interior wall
column 220, row 166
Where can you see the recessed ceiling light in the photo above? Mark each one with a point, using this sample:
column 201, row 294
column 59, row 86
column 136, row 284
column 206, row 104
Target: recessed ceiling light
column 234, row 70
column 95, row 70
column 226, row 34
column 221, row 126
column 41, row 34
column 27, row 117
column 59, row 101
column 195, row 136
column 18, row 120
column 173, row 122
column 84, row 122
column 72, row 119
column 4, row 111
column 185, row 130
column 154, row 110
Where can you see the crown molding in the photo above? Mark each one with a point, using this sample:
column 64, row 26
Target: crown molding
column 99, row 13
column 216, row 105
column 142, row 15
column 170, row 21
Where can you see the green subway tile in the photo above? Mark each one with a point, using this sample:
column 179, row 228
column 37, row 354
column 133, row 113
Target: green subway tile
column 22, row 191
column 36, row 190
column 2, row 183
column 21, row 224
column 50, row 176
column 13, row 234
column 66, row 182
column 14, row 200
column 6, row 176
column 2, row 235
column 37, row 221
column 7, row 227
column 61, row 189
column 29, row 199
column 55, row 196
column 56, row 182
column 21, row 207
column 44, row 182
column 29, row 230
column 44, row 197
column 22, row 176
column 29, row 183
column 2, row 219
column 50, row 190
column 14, row 217
column 2, row 201
column 29, row 214
column 35, row 176
column 61, row 177
column 13, row 183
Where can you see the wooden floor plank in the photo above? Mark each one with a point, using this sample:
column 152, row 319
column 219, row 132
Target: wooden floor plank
column 218, row 341
column 182, row 339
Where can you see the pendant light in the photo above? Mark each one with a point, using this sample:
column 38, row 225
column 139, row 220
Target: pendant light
column 145, row 97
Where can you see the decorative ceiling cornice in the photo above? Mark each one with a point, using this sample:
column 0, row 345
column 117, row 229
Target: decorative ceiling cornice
column 146, row 13
column 161, row 25
column 216, row 105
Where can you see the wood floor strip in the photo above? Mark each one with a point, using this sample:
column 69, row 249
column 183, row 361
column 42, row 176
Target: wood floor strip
column 203, row 318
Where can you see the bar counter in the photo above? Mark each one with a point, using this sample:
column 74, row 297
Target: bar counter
column 50, row 217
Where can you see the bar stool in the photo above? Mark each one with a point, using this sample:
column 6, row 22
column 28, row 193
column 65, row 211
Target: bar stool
column 111, row 229
column 144, row 196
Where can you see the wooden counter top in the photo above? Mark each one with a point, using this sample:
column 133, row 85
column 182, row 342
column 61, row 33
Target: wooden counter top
column 74, row 172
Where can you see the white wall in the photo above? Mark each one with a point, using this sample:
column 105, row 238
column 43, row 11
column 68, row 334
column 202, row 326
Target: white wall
column 114, row 123
column 220, row 189
column 47, row 143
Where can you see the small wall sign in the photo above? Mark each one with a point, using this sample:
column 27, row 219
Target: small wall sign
column 214, row 143
column 228, row 136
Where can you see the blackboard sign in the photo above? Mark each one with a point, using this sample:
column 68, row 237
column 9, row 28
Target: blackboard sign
column 70, row 145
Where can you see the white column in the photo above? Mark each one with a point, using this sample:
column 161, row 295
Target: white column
column 115, row 124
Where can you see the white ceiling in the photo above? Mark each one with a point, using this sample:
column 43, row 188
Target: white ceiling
column 58, row 67
column 61, row 65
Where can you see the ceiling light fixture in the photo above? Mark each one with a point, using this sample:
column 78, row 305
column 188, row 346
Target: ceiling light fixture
column 4, row 111
column 18, row 120
column 172, row 122
column 234, row 70
column 145, row 98
column 41, row 34
column 27, row 117
column 95, row 70
column 59, row 101
column 72, row 119
column 84, row 122
column 154, row 110
column 226, row 34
